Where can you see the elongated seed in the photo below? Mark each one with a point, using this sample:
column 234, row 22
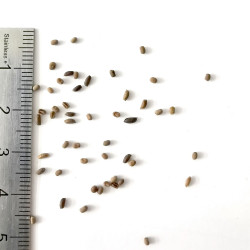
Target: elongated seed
column 114, row 185
column 70, row 121
column 84, row 209
column 194, row 155
column 59, row 80
column 65, row 144
column 144, row 104
column 36, row 87
column 126, row 95
column 55, row 109
column 58, row 172
column 113, row 179
column 52, row 65
column 120, row 182
column 126, row 158
column 32, row 220
column 130, row 120
column 207, row 77
column 42, row 111
column 158, row 111
column 106, row 183
column 94, row 189
column 84, row 160
column 142, row 50
column 52, row 114
column 43, row 155
column 77, row 88
column 105, row 156
column 38, row 119
column 62, row 203
column 75, row 75
column 74, row 40
column 76, row 145
column 65, row 105
column 116, row 114
column 112, row 73
column 54, row 42
column 188, row 180
column 69, row 73
column 89, row 117
column 132, row 163
column 106, row 143
column 153, row 79
column 70, row 114
column 172, row 110
column 87, row 81
column 50, row 90
column 40, row 171
column 100, row 190
column 146, row 241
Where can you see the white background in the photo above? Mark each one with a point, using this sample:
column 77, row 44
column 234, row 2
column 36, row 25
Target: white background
column 185, row 40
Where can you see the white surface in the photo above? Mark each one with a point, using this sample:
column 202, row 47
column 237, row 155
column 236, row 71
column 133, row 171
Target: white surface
column 185, row 40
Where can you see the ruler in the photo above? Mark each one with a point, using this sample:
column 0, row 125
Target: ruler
column 16, row 80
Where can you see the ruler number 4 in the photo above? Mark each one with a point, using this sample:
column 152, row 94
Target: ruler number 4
column 7, row 111
column 3, row 237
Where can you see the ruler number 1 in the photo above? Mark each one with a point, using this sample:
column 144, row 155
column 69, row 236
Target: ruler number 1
column 7, row 111
column 4, row 237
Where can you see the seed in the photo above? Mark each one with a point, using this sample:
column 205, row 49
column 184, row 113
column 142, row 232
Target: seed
column 52, row 114
column 58, row 172
column 94, row 189
column 114, row 179
column 146, row 241
column 69, row 121
column 87, row 81
column 89, row 116
column 76, row 145
column 43, row 155
column 194, row 155
column 65, row 105
column 54, row 42
column 153, row 80
column 32, row 220
column 158, row 111
column 144, row 104
column 62, row 203
column 106, row 143
column 130, row 120
column 74, row 39
column 77, row 88
column 131, row 163
column 116, row 114
column 120, row 182
column 84, row 209
column 70, row 114
column 112, row 73
column 207, row 77
column 50, row 90
column 126, row 95
column 52, row 65
column 126, row 158
column 172, row 110
column 41, row 111
column 188, row 180
column 114, row 185
column 40, row 171
column 65, row 144
column 84, row 160
column 36, row 87
column 106, row 183
column 105, row 156
column 142, row 50
column 75, row 74
column 69, row 73
column 38, row 119
column 59, row 80
column 55, row 109
column 100, row 190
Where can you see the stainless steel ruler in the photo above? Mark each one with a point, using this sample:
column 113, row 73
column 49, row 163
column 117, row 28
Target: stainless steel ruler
column 16, row 80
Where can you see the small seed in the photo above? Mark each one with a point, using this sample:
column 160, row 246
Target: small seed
column 144, row 104
column 142, row 50
column 70, row 114
column 32, row 220
column 114, row 185
column 146, row 241
column 42, row 111
column 194, row 155
column 69, row 73
column 130, row 120
column 120, row 182
column 113, row 179
column 69, row 121
column 105, row 156
column 87, row 81
column 126, row 158
column 36, row 87
column 158, row 111
column 52, row 114
column 188, row 180
column 65, row 105
column 172, row 110
column 43, row 155
column 153, row 80
column 84, row 160
column 58, row 172
column 54, row 42
column 94, row 189
column 106, row 183
column 106, row 143
column 84, row 209
column 55, row 109
column 207, row 77
column 62, row 203
column 77, row 88
column 76, row 145
column 74, row 39
column 116, row 114
column 100, row 190
column 52, row 65
column 38, row 119
column 112, row 73
column 89, row 116
column 40, row 171
column 65, row 144
column 76, row 74
column 50, row 90
column 59, row 80
column 126, row 95
column 131, row 163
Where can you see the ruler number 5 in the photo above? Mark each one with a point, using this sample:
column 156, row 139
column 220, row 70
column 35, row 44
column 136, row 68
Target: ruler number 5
column 4, row 152
column 4, row 236
column 5, row 112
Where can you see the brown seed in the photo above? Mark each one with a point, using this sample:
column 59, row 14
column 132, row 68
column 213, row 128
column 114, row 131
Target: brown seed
column 76, row 145
column 153, row 80
column 52, row 114
column 114, row 185
column 94, row 189
column 69, row 73
column 58, row 172
column 120, row 182
column 50, row 90
column 42, row 111
column 84, row 209
column 112, row 73
column 55, row 109
column 69, row 121
column 188, row 180
column 105, row 156
column 146, row 241
column 65, row 105
column 77, row 88
column 116, row 114
column 172, row 110
column 106, row 143
column 65, row 144
column 84, row 160
column 62, row 203
column 158, row 111
column 43, row 155
column 144, row 104
column 54, row 42
column 74, row 39
column 130, row 120
column 207, row 77
column 126, row 158
column 100, row 190
column 59, row 81
column 52, row 65
column 32, row 220
column 87, row 81
column 36, row 87
column 131, row 163
column 75, row 75
column 40, row 171
column 70, row 114
column 194, row 155
column 106, row 183
column 38, row 119
column 142, row 50
column 113, row 179
column 126, row 95
column 89, row 116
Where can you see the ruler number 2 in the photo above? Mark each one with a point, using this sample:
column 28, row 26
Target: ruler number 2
column 5, row 112
column 3, row 237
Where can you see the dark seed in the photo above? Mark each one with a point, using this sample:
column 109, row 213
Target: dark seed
column 42, row 111
column 114, row 185
column 130, row 120
column 188, row 180
column 100, row 190
column 87, row 81
column 106, row 143
column 69, row 73
column 207, row 77
column 75, row 74
column 112, row 73
column 52, row 114
column 38, row 119
column 40, row 171
column 52, row 65
column 126, row 158
column 69, row 121
column 120, row 182
column 142, row 50
column 146, row 241
column 94, row 189
column 70, row 114
column 144, row 104
column 116, row 114
column 59, row 81
column 84, row 209
column 65, row 144
column 62, row 203
column 65, row 105
column 105, row 156
column 194, row 155
column 58, row 172
column 54, row 42
column 77, row 88
column 153, row 80
column 106, row 183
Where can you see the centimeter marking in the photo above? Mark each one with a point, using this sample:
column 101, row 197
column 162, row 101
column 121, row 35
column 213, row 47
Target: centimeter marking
column 16, row 81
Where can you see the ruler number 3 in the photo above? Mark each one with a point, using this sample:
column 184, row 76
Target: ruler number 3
column 3, row 236
column 4, row 152
column 6, row 112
